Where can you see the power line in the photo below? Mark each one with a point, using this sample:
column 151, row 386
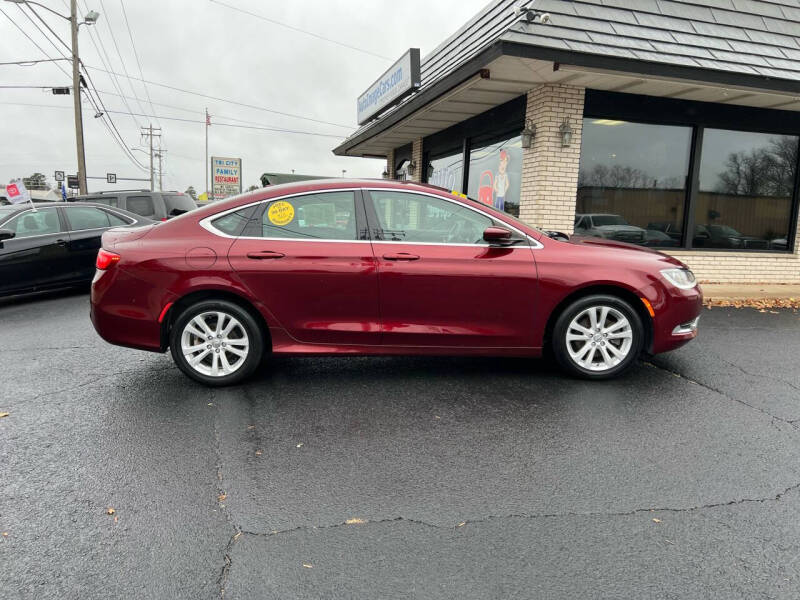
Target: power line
column 30, row 63
column 136, row 55
column 236, row 102
column 101, row 52
column 25, row 33
column 119, row 54
column 50, row 29
column 199, row 121
column 198, row 111
column 297, row 29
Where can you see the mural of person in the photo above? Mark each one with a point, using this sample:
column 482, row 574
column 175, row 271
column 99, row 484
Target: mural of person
column 501, row 182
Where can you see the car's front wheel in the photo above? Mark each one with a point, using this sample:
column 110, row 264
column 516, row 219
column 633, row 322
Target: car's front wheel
column 598, row 337
column 216, row 342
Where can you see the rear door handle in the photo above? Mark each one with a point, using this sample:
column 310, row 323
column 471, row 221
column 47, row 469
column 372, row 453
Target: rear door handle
column 265, row 254
column 61, row 243
column 401, row 256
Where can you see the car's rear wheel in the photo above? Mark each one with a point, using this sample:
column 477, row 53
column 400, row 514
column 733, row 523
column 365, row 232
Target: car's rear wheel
column 597, row 337
column 216, row 342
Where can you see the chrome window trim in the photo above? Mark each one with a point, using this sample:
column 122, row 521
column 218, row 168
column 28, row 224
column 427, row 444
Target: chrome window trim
column 205, row 223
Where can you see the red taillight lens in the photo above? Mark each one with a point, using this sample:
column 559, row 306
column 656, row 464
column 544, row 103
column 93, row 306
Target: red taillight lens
column 163, row 218
column 105, row 259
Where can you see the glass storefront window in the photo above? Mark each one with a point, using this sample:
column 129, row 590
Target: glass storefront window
column 745, row 193
column 632, row 181
column 447, row 171
column 495, row 170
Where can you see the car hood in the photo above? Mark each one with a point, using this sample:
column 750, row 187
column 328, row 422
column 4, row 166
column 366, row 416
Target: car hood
column 632, row 250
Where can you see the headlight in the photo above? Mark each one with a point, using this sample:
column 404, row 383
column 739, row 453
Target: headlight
column 680, row 278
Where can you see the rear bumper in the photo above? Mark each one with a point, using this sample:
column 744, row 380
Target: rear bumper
column 125, row 310
column 676, row 323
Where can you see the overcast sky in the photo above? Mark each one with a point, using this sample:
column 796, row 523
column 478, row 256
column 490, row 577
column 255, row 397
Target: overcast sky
column 203, row 46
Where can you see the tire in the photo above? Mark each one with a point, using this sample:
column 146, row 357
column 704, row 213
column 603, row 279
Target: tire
column 201, row 352
column 614, row 344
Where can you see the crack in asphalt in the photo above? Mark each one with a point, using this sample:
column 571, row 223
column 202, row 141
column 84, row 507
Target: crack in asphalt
column 46, row 348
column 751, row 374
column 89, row 383
column 222, row 580
column 724, row 395
column 651, row 510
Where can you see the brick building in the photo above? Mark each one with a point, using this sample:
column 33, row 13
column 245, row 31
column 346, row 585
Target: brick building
column 664, row 123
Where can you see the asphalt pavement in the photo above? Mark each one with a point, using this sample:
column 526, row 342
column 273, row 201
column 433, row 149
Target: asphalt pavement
column 398, row 477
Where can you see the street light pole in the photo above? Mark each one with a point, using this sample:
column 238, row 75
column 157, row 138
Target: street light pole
column 76, row 97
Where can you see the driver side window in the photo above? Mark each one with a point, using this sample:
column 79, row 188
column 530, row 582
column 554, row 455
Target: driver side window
column 414, row 218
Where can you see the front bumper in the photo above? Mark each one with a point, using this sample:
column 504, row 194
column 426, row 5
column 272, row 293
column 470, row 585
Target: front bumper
column 675, row 322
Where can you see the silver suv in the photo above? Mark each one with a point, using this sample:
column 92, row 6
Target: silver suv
column 158, row 206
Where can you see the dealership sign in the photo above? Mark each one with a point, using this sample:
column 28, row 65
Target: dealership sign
column 226, row 177
column 402, row 78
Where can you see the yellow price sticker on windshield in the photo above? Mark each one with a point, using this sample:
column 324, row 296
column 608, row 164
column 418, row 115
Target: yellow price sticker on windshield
column 280, row 213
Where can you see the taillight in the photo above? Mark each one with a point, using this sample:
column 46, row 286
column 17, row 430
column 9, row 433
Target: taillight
column 163, row 218
column 105, row 259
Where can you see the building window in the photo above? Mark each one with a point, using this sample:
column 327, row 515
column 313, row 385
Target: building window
column 632, row 181
column 447, row 170
column 495, row 170
column 746, row 182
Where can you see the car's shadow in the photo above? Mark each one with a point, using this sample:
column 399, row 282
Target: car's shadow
column 56, row 294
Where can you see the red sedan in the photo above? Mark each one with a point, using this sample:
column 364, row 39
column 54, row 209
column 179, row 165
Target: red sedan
column 382, row 267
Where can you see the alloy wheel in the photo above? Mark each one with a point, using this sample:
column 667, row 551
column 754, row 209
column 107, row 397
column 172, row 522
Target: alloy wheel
column 599, row 338
column 214, row 343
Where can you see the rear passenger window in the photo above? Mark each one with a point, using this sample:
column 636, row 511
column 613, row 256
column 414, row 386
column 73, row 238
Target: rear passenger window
column 87, row 217
column 177, row 204
column 116, row 220
column 141, row 205
column 233, row 223
column 323, row 216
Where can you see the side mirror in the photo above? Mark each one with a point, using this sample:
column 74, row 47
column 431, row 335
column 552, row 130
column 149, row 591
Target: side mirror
column 6, row 234
column 497, row 235
column 557, row 235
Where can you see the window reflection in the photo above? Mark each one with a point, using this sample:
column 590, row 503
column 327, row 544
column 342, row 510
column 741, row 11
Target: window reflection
column 495, row 170
column 447, row 171
column 745, row 192
column 632, row 181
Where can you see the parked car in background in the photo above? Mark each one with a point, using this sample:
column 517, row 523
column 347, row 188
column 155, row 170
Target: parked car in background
column 156, row 206
column 49, row 246
column 724, row 236
column 610, row 227
column 382, row 267
column 779, row 244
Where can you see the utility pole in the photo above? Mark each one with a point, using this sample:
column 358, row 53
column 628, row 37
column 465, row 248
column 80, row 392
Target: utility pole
column 160, row 155
column 76, row 97
column 150, row 132
column 208, row 186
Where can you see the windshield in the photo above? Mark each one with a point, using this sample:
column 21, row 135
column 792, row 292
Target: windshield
column 601, row 220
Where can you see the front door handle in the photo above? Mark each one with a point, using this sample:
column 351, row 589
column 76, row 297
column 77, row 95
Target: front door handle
column 401, row 256
column 61, row 243
column 265, row 254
